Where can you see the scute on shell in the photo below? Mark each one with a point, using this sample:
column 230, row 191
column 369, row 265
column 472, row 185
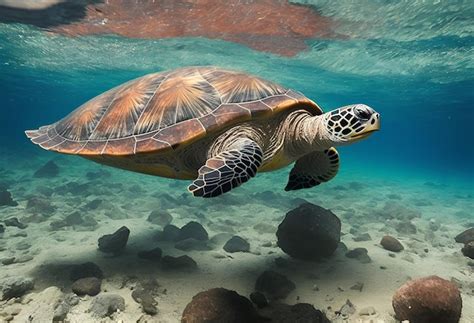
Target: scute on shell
column 162, row 111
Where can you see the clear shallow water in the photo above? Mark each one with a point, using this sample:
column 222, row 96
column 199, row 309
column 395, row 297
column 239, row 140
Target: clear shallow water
column 413, row 63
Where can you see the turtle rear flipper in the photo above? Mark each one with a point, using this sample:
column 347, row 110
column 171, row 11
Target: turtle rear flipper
column 31, row 134
column 229, row 169
column 313, row 169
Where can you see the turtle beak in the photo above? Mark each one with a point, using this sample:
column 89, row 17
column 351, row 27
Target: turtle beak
column 372, row 125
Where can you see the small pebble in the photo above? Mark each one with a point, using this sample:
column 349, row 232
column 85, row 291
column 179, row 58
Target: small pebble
column 391, row 243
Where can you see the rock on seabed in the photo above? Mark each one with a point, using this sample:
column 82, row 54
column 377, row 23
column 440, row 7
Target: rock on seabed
column 309, row 232
column 428, row 299
column 220, row 305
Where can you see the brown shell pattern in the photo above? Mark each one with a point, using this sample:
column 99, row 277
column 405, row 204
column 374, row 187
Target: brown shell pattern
column 163, row 110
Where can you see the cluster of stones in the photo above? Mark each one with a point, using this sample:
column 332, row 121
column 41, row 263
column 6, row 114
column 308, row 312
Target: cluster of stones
column 308, row 232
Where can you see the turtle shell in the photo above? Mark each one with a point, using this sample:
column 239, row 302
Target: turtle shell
column 162, row 111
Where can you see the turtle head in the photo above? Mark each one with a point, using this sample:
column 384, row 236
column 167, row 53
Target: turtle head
column 351, row 123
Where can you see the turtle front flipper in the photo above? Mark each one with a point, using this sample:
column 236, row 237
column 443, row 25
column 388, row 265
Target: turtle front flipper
column 313, row 169
column 228, row 169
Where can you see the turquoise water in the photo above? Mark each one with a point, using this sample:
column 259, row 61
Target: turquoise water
column 415, row 66
column 413, row 62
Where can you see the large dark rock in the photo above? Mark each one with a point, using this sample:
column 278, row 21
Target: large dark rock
column 219, row 305
column 301, row 312
column 468, row 249
column 309, row 232
column 392, row 244
column 87, row 286
column 237, row 244
column 115, row 242
column 6, row 199
column 428, row 299
column 274, row 285
column 87, row 269
column 465, row 236
column 50, row 169
column 193, row 230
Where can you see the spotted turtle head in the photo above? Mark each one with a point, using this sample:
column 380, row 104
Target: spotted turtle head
column 351, row 123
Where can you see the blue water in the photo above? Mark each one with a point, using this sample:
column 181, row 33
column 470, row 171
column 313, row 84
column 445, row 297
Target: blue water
column 412, row 63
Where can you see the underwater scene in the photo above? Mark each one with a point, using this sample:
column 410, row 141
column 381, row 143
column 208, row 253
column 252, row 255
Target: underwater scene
column 242, row 161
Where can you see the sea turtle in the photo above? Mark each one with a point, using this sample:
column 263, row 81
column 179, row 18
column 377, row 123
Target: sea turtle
column 218, row 127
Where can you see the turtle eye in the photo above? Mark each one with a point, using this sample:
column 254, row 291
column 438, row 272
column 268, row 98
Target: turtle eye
column 362, row 113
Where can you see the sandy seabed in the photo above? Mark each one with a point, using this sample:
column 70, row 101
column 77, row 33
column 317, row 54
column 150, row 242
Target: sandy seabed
column 108, row 199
